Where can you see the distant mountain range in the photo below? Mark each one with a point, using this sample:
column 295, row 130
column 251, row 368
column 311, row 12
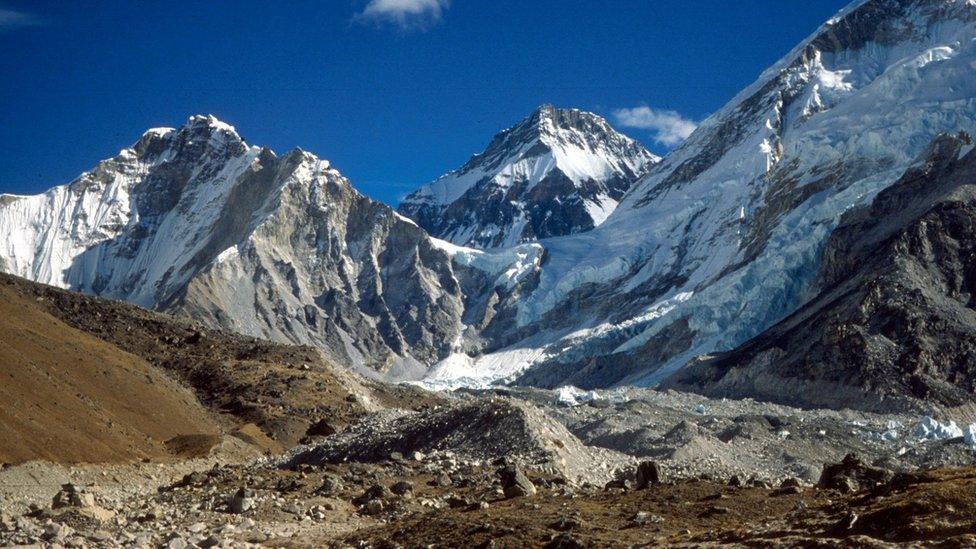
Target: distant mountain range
column 566, row 253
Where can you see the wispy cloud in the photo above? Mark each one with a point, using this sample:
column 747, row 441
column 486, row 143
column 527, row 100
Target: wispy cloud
column 669, row 128
column 10, row 19
column 406, row 14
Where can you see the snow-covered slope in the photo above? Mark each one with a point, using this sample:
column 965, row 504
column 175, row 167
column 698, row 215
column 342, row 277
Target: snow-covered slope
column 197, row 222
column 723, row 237
column 557, row 172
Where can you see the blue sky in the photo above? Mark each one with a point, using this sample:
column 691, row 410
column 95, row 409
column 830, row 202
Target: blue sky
column 393, row 92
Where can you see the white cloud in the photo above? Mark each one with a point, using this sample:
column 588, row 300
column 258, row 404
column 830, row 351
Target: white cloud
column 10, row 19
column 405, row 13
column 669, row 127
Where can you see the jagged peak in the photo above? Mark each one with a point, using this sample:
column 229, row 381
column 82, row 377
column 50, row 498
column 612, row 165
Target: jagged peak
column 546, row 111
column 548, row 129
column 152, row 142
column 300, row 155
column 208, row 127
column 155, row 141
column 561, row 170
column 545, row 108
column 548, row 118
column 158, row 132
column 197, row 127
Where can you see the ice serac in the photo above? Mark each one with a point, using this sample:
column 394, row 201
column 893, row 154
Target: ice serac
column 557, row 172
column 724, row 237
column 195, row 221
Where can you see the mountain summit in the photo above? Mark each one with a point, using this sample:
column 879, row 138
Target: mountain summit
column 557, row 172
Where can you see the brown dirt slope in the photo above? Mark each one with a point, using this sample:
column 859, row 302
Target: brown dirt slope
column 68, row 396
column 281, row 389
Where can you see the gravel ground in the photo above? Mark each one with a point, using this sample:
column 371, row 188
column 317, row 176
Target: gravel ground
column 436, row 475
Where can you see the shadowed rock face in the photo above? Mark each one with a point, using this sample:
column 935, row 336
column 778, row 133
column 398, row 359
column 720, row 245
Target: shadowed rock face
column 558, row 172
column 894, row 324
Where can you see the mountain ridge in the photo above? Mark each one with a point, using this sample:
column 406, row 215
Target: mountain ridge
column 153, row 225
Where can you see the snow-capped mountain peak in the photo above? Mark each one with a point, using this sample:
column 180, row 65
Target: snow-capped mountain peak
column 557, row 172
column 192, row 220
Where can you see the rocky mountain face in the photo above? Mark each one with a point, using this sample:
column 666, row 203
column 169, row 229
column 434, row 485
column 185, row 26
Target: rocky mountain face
column 894, row 325
column 195, row 221
column 558, row 172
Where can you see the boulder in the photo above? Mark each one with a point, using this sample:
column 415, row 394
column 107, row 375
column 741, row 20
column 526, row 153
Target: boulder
column 330, row 485
column 401, row 488
column 322, row 428
column 373, row 507
column 242, row 501
column 643, row 518
column 374, row 492
column 515, row 483
column 648, row 474
column 852, row 474
column 564, row 541
column 73, row 495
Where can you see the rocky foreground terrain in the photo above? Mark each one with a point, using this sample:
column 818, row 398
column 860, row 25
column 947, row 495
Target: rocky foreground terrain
column 520, row 470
